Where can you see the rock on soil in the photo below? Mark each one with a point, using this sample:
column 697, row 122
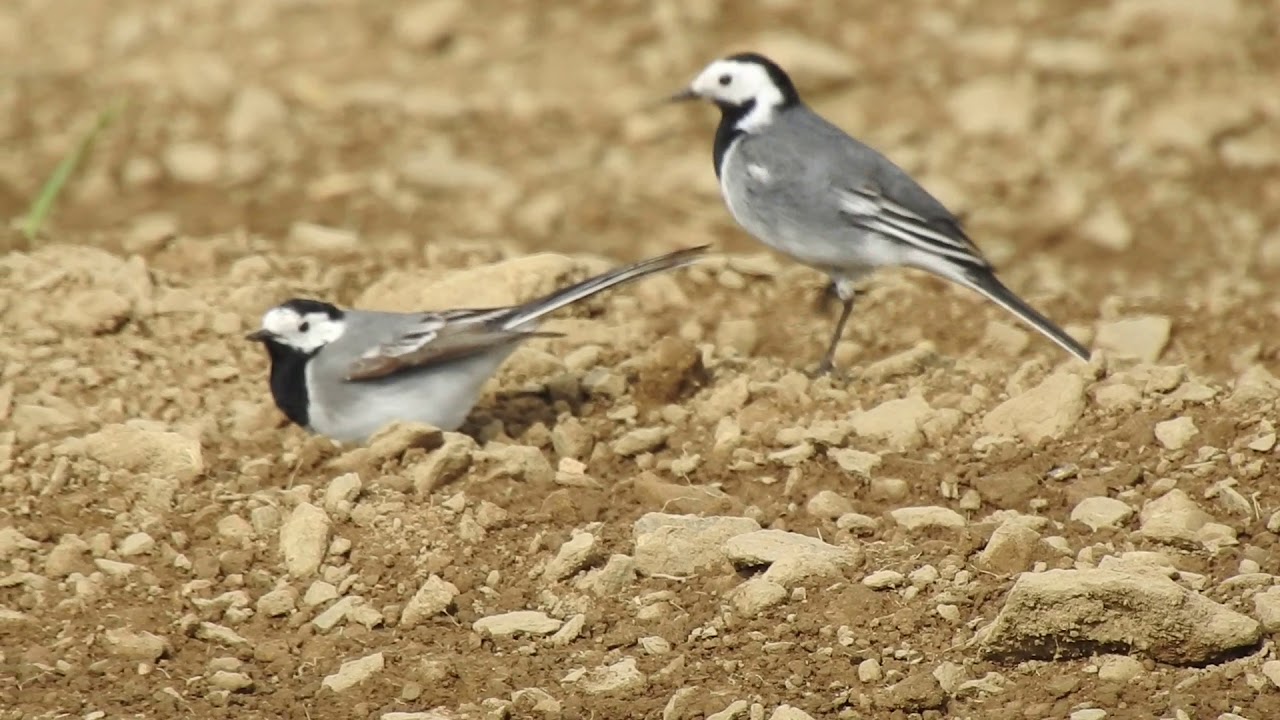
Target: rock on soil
column 1078, row 612
column 685, row 544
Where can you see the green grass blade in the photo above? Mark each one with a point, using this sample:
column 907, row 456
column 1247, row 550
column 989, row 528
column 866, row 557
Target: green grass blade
column 42, row 207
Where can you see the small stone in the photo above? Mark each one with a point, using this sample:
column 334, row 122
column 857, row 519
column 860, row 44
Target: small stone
column 1175, row 434
column 1088, row 714
column 1173, row 518
column 684, row 544
column 526, row 622
column 569, row 632
column 1060, row 613
column 1271, row 669
column 444, row 464
column 763, row 547
column 336, row 613
column 236, row 528
column 255, row 114
column 138, row 543
column 1045, row 412
column 755, row 596
column 828, row 505
column 853, row 461
column 304, row 537
column 1010, row 548
column 305, row 237
column 1108, row 228
column 319, row 593
column 143, row 447
column 68, row 556
column 926, row 517
column 1266, row 608
column 354, row 672
column 917, row 693
column 197, row 163
column 618, row 572
column 654, row 645
column 278, row 603
column 434, row 597
column 231, row 681
column 1119, row 668
column 618, row 678
column 141, row 646
column 787, row 712
column 575, row 554
column 1140, row 338
column 857, row 523
column 896, row 422
column 1101, row 511
column 869, row 671
column 640, row 440
column 884, row 579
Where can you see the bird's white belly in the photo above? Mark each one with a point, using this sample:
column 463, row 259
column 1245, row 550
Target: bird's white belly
column 442, row 397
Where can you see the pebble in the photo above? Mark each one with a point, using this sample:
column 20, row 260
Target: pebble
column 854, row 461
column 278, row 603
column 1173, row 518
column 1271, row 669
column 138, row 543
column 68, row 556
column 235, row 528
column 640, row 440
column 444, row 464
column 1176, row 433
column 884, row 579
column 756, row 595
column 618, row 572
column 1119, row 668
column 305, row 237
column 1141, row 338
column 142, row 646
column 256, row 112
column 620, row 677
column 787, row 712
column 144, row 447
column 828, row 505
column 231, row 681
column 1010, row 548
column 319, row 593
column 354, row 672
column 764, row 547
column 575, row 554
column 896, row 422
column 1064, row 612
column 523, row 622
column 869, row 671
column 1101, row 511
column 1045, row 412
column 682, row 545
column 434, row 597
column 304, row 537
column 568, row 632
column 1088, row 714
column 926, row 517
column 197, row 163
column 1266, row 608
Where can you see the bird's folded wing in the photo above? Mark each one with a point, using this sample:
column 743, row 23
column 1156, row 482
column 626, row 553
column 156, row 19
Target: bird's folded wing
column 436, row 338
column 870, row 209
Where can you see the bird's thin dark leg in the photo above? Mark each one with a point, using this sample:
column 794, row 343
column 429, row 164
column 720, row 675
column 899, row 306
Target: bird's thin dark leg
column 829, row 359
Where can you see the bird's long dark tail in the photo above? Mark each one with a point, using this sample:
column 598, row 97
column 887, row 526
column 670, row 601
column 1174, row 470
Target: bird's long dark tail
column 986, row 283
column 599, row 283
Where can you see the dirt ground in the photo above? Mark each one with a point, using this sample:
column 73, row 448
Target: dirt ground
column 170, row 547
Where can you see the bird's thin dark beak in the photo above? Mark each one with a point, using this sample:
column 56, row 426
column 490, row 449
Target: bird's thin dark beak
column 683, row 96
column 259, row 336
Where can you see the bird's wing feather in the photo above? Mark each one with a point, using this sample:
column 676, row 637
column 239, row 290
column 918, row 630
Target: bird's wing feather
column 871, row 209
column 438, row 337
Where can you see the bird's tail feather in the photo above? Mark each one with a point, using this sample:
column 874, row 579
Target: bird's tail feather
column 578, row 291
column 990, row 286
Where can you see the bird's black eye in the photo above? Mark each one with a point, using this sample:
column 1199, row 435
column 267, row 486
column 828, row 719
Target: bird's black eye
column 305, row 326
column 726, row 79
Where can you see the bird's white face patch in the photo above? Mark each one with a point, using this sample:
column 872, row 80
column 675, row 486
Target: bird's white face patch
column 736, row 82
column 306, row 332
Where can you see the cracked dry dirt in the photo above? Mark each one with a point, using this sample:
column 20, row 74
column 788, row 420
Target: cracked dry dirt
column 846, row 547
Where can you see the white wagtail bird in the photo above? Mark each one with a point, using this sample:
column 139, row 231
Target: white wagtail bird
column 346, row 373
column 805, row 188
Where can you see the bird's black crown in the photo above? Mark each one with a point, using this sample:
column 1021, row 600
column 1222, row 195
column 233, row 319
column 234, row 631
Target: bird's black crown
column 306, row 306
column 779, row 76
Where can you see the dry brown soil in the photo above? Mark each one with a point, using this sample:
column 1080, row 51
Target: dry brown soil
column 1120, row 161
